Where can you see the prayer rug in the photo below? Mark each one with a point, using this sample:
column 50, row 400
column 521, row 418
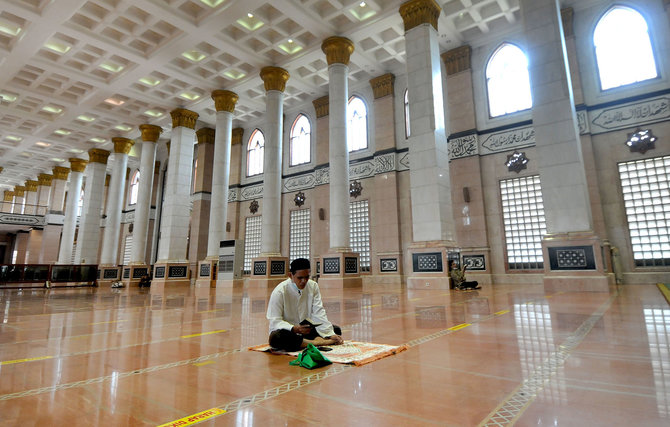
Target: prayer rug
column 351, row 352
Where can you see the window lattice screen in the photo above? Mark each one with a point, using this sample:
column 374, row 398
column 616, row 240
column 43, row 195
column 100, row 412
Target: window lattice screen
column 646, row 195
column 359, row 235
column 127, row 248
column 299, row 234
column 523, row 219
column 252, row 241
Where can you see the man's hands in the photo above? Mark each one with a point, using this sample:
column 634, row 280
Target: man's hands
column 301, row 329
column 336, row 339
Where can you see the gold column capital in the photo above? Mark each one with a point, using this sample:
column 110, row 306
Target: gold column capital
column 77, row 165
column 19, row 191
column 183, row 117
column 417, row 12
column 122, row 145
column 225, row 100
column 236, row 136
column 31, row 185
column 205, row 135
column 338, row 50
column 45, row 179
column 322, row 106
column 274, row 78
column 150, row 133
column 96, row 155
column 382, row 85
column 61, row 172
column 9, row 196
column 457, row 60
column 566, row 16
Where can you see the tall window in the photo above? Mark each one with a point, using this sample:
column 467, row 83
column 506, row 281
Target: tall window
column 359, row 232
column 623, row 48
column 646, row 197
column 299, row 234
column 523, row 219
column 407, row 129
column 134, row 188
column 252, row 241
column 357, row 124
column 301, row 133
column 255, row 153
column 127, row 249
column 507, row 81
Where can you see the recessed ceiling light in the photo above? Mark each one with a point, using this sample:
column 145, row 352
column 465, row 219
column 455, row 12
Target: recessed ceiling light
column 191, row 96
column 212, row 3
column 8, row 97
column 251, row 23
column 150, row 81
column 26, row 154
column 250, row 15
column 57, row 47
column 98, row 140
column 194, row 55
column 153, row 113
column 75, row 151
column 43, row 144
column 363, row 12
column 124, row 128
column 8, row 28
column 13, row 138
column 114, row 101
column 52, row 109
column 290, row 47
column 85, row 118
column 234, row 74
column 62, row 132
column 57, row 159
column 111, row 67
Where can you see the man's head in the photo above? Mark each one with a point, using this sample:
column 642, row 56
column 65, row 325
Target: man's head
column 300, row 269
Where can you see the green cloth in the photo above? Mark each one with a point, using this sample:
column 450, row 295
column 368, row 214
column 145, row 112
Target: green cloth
column 311, row 358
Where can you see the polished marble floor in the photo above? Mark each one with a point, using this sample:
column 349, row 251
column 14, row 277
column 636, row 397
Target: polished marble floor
column 503, row 355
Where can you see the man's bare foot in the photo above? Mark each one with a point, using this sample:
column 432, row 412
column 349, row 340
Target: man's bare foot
column 318, row 341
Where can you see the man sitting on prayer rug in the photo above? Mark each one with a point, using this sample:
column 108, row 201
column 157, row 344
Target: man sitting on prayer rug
column 296, row 314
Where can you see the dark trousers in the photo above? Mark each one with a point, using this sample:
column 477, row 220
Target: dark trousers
column 284, row 339
column 468, row 285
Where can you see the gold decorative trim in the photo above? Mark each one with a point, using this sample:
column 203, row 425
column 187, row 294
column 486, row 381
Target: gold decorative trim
column 150, row 133
column 96, row 155
column 236, row 136
column 383, row 85
column 567, row 15
column 274, row 78
column 77, row 165
column 9, row 196
column 61, row 172
column 31, row 185
column 457, row 60
column 225, row 100
column 338, row 50
column 19, row 191
column 322, row 106
column 45, row 179
column 122, row 145
column 183, row 117
column 205, row 135
column 417, row 12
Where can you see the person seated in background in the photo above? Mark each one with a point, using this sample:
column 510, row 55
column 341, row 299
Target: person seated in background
column 296, row 314
column 458, row 276
column 144, row 281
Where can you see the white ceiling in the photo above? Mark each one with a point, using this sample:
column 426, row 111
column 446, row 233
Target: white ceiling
column 45, row 91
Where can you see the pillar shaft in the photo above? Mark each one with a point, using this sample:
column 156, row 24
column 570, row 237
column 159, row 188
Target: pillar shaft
column 70, row 223
column 88, row 241
column 110, row 240
column 58, row 186
column 31, row 198
column 44, row 193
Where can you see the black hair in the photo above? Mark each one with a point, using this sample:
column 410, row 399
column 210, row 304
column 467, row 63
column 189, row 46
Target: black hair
column 300, row 264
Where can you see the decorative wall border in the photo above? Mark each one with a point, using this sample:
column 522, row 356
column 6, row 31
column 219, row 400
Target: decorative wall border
column 463, row 146
column 507, row 140
column 475, row 262
column 629, row 114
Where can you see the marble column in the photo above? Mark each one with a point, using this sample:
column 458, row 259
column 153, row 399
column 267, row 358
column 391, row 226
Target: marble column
column 43, row 193
column 54, row 220
column 175, row 217
column 58, row 187
column 19, row 199
column 70, row 224
column 110, row 239
column 430, row 186
column 31, row 197
column 150, row 134
column 202, row 190
column 567, row 205
column 340, row 266
column 88, row 241
column 8, row 200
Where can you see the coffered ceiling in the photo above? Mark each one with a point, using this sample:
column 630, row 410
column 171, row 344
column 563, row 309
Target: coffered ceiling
column 74, row 73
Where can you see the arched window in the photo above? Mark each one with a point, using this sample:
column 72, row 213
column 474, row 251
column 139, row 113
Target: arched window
column 255, row 153
column 623, row 48
column 357, row 121
column 301, row 133
column 407, row 131
column 134, row 188
column 507, row 81
column 80, row 205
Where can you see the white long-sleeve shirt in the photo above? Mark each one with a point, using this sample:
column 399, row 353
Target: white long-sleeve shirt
column 289, row 306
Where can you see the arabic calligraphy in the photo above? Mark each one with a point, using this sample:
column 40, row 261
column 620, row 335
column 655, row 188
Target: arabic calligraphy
column 463, row 147
column 642, row 112
column 503, row 141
